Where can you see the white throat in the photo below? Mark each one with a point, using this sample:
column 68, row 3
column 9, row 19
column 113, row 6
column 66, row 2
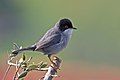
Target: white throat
column 68, row 33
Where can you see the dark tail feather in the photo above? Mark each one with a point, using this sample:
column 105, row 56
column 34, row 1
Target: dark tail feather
column 31, row 48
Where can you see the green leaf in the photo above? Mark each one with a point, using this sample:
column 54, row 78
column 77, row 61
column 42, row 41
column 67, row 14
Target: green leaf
column 24, row 65
column 40, row 64
column 44, row 65
column 22, row 59
column 23, row 56
column 21, row 79
column 23, row 74
column 32, row 66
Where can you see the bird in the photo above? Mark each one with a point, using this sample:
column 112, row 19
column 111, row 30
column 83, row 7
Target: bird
column 54, row 40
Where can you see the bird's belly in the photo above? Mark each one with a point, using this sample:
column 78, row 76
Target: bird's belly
column 58, row 47
column 55, row 48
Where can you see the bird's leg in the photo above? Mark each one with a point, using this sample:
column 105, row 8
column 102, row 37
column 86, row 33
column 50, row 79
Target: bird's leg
column 49, row 56
column 53, row 62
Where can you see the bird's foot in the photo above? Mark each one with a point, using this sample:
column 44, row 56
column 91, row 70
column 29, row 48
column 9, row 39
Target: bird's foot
column 55, row 62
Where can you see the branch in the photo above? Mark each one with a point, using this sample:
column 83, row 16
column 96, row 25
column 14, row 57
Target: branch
column 26, row 67
column 52, row 69
column 6, row 72
column 7, row 68
column 17, row 69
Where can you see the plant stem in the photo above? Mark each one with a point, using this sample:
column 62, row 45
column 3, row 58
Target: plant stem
column 6, row 72
column 16, row 72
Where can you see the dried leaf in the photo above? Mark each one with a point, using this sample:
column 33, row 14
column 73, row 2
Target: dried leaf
column 12, row 55
column 21, row 60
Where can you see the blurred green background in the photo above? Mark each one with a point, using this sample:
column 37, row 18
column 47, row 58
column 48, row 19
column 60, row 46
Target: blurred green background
column 96, row 42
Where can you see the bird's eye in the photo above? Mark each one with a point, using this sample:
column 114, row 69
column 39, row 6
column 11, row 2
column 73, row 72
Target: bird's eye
column 66, row 26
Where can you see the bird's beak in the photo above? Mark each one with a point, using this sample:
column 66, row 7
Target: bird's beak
column 74, row 28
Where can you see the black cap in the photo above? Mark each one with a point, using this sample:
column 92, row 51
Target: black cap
column 65, row 24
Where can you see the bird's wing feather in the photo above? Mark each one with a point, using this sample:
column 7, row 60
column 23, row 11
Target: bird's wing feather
column 51, row 38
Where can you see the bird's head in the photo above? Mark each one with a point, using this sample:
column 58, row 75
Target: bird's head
column 65, row 24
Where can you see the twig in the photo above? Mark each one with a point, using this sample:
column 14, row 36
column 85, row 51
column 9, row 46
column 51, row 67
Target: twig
column 29, row 59
column 6, row 72
column 8, row 68
column 9, row 61
column 25, row 65
column 52, row 69
column 16, row 46
column 16, row 73
column 17, row 69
